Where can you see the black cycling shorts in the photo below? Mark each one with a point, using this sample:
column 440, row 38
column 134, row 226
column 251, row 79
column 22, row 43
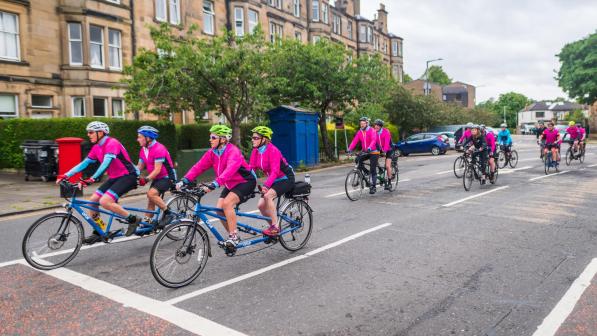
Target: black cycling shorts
column 162, row 185
column 550, row 146
column 244, row 190
column 117, row 187
column 283, row 186
column 389, row 154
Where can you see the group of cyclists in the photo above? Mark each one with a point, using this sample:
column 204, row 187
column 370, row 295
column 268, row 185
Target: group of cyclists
column 233, row 175
column 549, row 139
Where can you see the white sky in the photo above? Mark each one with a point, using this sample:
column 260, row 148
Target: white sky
column 497, row 45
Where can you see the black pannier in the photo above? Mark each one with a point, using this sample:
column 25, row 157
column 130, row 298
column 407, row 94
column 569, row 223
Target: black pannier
column 300, row 189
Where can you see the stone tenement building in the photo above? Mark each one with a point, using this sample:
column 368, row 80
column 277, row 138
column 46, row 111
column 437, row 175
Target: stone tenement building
column 64, row 58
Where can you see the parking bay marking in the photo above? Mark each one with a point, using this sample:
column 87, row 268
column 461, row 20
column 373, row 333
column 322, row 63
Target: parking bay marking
column 344, row 192
column 566, row 305
column 544, row 176
column 274, row 266
column 474, row 196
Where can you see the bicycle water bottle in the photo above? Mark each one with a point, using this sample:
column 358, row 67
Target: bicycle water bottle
column 308, row 178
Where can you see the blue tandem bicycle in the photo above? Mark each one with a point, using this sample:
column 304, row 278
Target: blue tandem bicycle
column 177, row 263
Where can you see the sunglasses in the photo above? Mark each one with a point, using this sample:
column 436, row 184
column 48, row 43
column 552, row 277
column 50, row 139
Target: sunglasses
column 256, row 138
column 213, row 137
column 90, row 132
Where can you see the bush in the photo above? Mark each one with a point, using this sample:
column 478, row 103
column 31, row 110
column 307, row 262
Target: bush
column 193, row 136
column 14, row 131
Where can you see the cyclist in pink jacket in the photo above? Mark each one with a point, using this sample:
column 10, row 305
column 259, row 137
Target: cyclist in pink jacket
column 232, row 173
column 490, row 139
column 574, row 135
column 466, row 134
column 366, row 137
column 384, row 142
column 280, row 176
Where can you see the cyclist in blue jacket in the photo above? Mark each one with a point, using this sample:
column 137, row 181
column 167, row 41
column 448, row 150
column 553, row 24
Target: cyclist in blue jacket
column 504, row 138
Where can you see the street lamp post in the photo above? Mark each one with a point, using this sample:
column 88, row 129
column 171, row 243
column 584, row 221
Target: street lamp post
column 427, row 90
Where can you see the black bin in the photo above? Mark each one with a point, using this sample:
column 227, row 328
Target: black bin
column 41, row 159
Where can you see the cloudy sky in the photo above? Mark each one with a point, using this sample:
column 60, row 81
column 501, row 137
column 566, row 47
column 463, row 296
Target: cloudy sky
column 497, row 45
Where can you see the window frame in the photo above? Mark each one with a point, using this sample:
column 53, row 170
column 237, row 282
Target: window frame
column 105, row 99
column 16, row 100
column 276, row 31
column 43, row 106
column 212, row 15
column 296, row 8
column 252, row 25
column 315, row 10
column 395, row 48
column 325, row 13
column 121, row 106
column 17, row 33
column 170, row 11
column 73, row 106
column 349, row 29
column 239, row 31
column 119, row 47
column 164, row 4
column 103, row 64
column 70, row 40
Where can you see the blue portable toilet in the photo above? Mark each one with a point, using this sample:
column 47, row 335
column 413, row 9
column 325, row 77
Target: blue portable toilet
column 295, row 134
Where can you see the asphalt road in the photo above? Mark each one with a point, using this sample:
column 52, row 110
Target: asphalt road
column 445, row 263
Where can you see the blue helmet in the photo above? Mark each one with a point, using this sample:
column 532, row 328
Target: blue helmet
column 148, row 131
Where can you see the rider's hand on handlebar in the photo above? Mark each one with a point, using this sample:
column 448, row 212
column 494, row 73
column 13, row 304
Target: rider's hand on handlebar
column 86, row 182
column 59, row 178
column 209, row 187
column 142, row 181
column 180, row 184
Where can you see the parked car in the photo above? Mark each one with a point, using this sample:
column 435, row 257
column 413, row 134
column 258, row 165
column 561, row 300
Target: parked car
column 445, row 128
column 451, row 140
column 433, row 143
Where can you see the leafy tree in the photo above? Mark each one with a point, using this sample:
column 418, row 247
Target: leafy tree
column 406, row 78
column 438, row 75
column 197, row 74
column 510, row 102
column 578, row 71
column 576, row 116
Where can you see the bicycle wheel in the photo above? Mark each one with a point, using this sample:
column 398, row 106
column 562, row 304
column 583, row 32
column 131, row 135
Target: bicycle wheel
column 459, row 165
column 501, row 161
column 581, row 158
column 568, row 156
column 183, row 206
column 548, row 163
column 52, row 241
column 354, row 185
column 395, row 177
column 177, row 263
column 296, row 216
column 467, row 177
column 495, row 176
column 513, row 159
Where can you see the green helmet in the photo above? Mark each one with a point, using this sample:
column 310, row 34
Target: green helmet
column 264, row 131
column 221, row 130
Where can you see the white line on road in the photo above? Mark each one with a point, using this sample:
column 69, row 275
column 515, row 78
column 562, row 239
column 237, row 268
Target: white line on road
column 444, row 172
column 560, row 312
column 544, row 176
column 509, row 171
column 533, row 159
column 474, row 196
column 593, row 165
column 344, row 192
column 274, row 266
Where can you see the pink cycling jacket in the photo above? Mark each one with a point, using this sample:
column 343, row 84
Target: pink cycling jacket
column 490, row 138
column 465, row 135
column 366, row 138
column 583, row 133
column 573, row 131
column 551, row 136
column 229, row 165
column 156, row 152
column 269, row 159
column 384, row 140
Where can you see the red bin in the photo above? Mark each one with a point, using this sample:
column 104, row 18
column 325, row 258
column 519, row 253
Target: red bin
column 69, row 155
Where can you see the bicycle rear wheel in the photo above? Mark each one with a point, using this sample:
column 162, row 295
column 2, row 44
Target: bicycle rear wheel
column 501, row 161
column 568, row 156
column 52, row 241
column 354, row 185
column 395, row 177
column 467, row 177
column 548, row 163
column 177, row 263
column 459, row 165
column 513, row 159
column 297, row 219
column 581, row 158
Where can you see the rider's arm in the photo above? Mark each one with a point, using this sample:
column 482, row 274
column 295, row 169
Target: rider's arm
column 140, row 164
column 80, row 167
column 355, row 141
column 233, row 163
column 275, row 157
column 105, row 164
column 198, row 168
column 157, row 168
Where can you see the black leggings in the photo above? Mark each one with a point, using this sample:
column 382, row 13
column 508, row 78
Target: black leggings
column 373, row 159
column 483, row 157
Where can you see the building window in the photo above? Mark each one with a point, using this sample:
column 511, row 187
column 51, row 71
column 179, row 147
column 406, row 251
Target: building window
column 239, row 21
column 395, row 71
column 253, row 20
column 276, row 3
column 275, row 32
column 298, row 36
column 8, row 105
column 9, row 36
column 400, row 49
column 297, row 8
column 78, row 106
column 337, row 24
column 315, row 10
column 96, row 46
column 161, row 10
column 363, row 34
column 349, row 29
column 118, row 108
column 369, row 34
column 114, row 1
column 75, row 44
column 99, row 107
column 316, row 38
column 324, row 12
column 394, row 48
column 114, row 49
column 40, row 101
column 175, row 12
column 208, row 17
column 539, row 115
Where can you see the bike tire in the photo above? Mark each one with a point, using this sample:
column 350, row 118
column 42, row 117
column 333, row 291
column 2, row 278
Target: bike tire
column 300, row 212
column 495, row 176
column 581, row 158
column 354, row 185
column 467, row 177
column 184, row 207
column 33, row 258
column 568, row 156
column 459, row 165
column 502, row 162
column 177, row 252
column 513, row 159
column 396, row 176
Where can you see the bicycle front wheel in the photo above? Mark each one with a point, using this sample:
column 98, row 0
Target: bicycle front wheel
column 513, row 159
column 395, row 177
column 52, row 241
column 296, row 225
column 177, row 263
column 467, row 177
column 582, row 156
column 459, row 164
column 354, row 185
column 183, row 206
column 502, row 162
column 568, row 156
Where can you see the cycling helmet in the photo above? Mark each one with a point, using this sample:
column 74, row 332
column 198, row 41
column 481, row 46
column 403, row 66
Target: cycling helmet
column 364, row 119
column 572, row 123
column 221, row 130
column 503, row 125
column 470, row 125
column 148, row 131
column 263, row 131
column 476, row 126
column 378, row 122
column 98, row 126
column 482, row 126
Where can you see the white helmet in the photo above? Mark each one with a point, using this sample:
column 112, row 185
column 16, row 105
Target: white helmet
column 503, row 125
column 98, row 126
column 470, row 125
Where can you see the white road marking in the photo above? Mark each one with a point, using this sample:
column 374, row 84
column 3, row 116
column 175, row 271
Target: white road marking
column 510, row 171
column 12, row 262
column 593, row 165
column 336, row 194
column 474, row 196
column 544, row 176
column 560, row 312
column 274, row 266
column 444, row 172
column 533, row 159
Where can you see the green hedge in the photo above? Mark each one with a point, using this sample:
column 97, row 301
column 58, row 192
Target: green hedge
column 350, row 135
column 14, row 131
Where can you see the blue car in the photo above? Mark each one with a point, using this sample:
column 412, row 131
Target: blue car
column 433, row 143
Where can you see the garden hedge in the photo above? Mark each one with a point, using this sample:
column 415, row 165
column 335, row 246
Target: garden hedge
column 14, row 131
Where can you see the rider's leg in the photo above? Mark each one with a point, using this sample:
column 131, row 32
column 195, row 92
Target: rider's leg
column 389, row 167
column 150, row 203
column 373, row 160
column 228, row 206
column 267, row 206
column 220, row 204
column 94, row 198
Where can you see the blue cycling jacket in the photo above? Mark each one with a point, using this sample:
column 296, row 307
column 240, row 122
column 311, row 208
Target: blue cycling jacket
column 504, row 138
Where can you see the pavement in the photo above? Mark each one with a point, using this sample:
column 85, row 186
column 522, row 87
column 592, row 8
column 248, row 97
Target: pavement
column 515, row 258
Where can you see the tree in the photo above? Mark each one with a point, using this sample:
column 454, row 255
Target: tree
column 438, row 75
column 511, row 103
column 406, row 78
column 578, row 71
column 191, row 73
column 321, row 77
column 576, row 116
